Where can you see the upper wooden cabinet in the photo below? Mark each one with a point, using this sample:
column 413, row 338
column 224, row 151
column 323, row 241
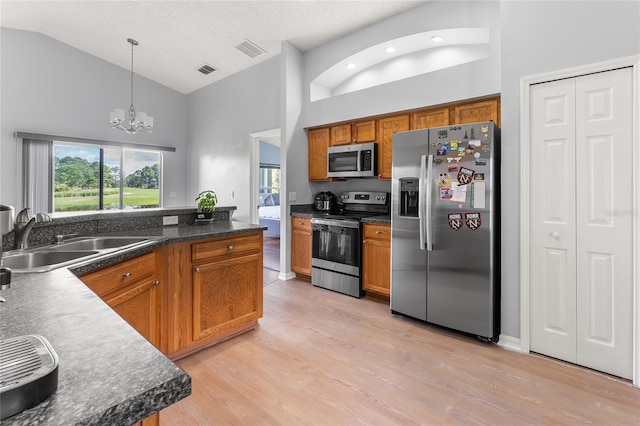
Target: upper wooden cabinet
column 359, row 132
column 363, row 131
column 382, row 128
column 474, row 112
column 386, row 128
column 430, row 118
column 319, row 140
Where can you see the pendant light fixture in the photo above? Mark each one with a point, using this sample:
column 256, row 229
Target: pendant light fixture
column 137, row 122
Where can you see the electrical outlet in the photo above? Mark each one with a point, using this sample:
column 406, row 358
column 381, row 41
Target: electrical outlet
column 292, row 196
column 169, row 220
column 172, row 194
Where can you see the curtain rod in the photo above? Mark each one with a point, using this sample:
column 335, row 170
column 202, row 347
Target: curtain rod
column 39, row 136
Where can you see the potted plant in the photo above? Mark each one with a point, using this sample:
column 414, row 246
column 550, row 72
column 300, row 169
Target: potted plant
column 207, row 201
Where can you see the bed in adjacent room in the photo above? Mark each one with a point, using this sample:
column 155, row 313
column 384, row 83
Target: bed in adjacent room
column 269, row 214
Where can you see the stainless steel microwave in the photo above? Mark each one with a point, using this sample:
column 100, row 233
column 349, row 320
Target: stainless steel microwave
column 356, row 160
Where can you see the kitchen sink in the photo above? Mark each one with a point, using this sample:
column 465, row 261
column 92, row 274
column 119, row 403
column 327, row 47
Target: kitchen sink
column 69, row 252
column 42, row 261
column 98, row 243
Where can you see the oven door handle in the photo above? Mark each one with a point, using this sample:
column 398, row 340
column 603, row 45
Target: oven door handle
column 337, row 222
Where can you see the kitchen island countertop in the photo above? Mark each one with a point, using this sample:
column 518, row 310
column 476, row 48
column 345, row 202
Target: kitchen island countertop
column 108, row 373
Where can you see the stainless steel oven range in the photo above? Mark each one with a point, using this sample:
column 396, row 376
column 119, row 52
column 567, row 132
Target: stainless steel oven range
column 336, row 243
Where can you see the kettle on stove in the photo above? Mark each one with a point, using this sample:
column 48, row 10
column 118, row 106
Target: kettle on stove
column 325, row 201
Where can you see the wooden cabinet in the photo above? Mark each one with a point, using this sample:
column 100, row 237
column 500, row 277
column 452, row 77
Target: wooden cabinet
column 376, row 258
column 358, row 132
column 381, row 130
column 474, row 112
column 214, row 291
column 227, row 285
column 301, row 240
column 386, row 128
column 318, row 142
column 132, row 289
column 428, row 118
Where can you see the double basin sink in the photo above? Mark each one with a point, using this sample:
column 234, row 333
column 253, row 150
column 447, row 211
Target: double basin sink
column 69, row 252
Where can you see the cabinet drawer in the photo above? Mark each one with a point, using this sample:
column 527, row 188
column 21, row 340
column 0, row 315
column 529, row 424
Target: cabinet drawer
column 112, row 278
column 377, row 231
column 223, row 248
column 301, row 223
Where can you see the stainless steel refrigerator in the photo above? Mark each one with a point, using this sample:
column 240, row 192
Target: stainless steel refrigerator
column 445, row 227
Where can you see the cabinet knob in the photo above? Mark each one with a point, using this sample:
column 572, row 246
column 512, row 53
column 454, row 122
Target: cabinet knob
column 230, row 248
column 555, row 235
column 364, row 241
column 156, row 282
column 300, row 223
column 378, row 232
column 354, row 140
column 197, row 269
column 309, row 234
column 126, row 274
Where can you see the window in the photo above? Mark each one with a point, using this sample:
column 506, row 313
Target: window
column 269, row 182
column 67, row 174
column 89, row 177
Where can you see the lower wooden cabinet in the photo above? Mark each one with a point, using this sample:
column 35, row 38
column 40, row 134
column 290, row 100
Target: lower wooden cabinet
column 226, row 295
column 301, row 245
column 132, row 289
column 214, row 291
column 376, row 258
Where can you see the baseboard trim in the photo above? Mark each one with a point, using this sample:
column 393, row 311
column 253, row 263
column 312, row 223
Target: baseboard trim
column 510, row 343
column 286, row 276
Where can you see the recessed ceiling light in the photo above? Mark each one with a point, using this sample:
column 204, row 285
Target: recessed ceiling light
column 351, row 66
column 390, row 49
column 437, row 38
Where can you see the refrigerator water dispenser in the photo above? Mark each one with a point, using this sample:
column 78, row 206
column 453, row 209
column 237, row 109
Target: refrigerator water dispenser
column 409, row 192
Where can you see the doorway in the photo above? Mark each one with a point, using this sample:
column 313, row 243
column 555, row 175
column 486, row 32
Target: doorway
column 579, row 249
column 266, row 200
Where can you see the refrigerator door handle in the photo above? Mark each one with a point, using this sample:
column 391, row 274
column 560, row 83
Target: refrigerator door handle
column 422, row 201
column 429, row 199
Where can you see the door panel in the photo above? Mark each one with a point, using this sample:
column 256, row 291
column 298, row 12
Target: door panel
column 604, row 221
column 553, row 276
column 581, row 220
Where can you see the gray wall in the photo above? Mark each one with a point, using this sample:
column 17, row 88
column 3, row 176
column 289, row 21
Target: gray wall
column 269, row 154
column 52, row 88
column 539, row 37
column 221, row 118
column 465, row 81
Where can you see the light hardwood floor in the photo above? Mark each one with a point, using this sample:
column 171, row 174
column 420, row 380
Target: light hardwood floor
column 323, row 358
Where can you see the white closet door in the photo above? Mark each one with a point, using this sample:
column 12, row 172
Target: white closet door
column 604, row 176
column 581, row 282
column 552, row 218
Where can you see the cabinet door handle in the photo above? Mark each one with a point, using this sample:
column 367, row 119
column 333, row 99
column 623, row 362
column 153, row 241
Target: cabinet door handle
column 364, row 241
column 156, row 282
column 126, row 274
column 230, row 248
column 354, row 140
column 378, row 232
column 197, row 269
column 309, row 234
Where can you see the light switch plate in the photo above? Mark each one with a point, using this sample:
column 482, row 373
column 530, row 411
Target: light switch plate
column 292, row 196
column 169, row 220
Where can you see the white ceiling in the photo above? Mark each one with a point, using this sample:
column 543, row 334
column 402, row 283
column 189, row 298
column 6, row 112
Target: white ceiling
column 175, row 37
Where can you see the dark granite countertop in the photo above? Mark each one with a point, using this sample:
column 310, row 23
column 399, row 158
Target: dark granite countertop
column 108, row 372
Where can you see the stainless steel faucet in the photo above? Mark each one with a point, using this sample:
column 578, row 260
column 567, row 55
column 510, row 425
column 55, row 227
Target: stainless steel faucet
column 23, row 224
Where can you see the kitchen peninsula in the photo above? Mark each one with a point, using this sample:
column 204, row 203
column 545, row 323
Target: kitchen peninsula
column 108, row 373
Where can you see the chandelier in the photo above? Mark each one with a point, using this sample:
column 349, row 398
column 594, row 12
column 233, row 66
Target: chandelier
column 136, row 121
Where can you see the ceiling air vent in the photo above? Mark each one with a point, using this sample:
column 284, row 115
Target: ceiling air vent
column 249, row 48
column 205, row 69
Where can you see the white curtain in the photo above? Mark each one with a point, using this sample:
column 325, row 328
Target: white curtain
column 37, row 175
